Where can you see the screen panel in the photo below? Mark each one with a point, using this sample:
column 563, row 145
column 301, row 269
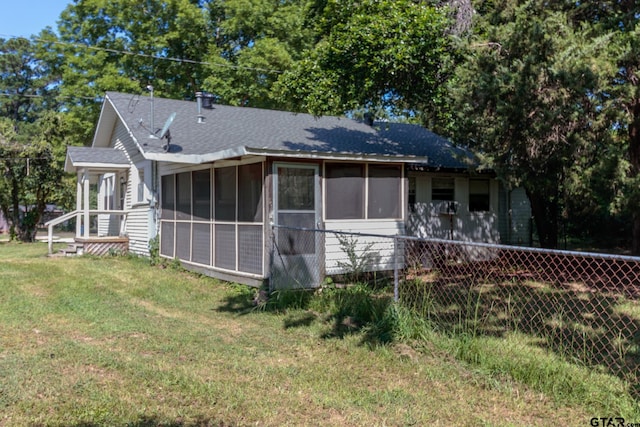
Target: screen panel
column 384, row 191
column 167, row 239
column 225, row 249
column 345, row 191
column 168, row 196
column 250, row 245
column 202, row 195
column 183, row 196
column 250, row 192
column 201, row 243
column 225, row 194
column 183, row 241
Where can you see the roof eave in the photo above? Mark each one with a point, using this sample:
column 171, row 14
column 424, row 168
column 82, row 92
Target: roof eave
column 321, row 155
column 196, row 159
column 70, row 166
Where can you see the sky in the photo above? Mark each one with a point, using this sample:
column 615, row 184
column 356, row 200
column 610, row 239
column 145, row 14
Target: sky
column 27, row 17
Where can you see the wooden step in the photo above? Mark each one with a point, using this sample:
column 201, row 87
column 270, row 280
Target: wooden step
column 73, row 249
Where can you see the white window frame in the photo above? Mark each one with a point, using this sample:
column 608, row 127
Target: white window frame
column 141, row 186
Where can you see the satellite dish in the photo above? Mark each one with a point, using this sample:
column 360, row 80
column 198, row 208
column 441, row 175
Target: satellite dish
column 165, row 128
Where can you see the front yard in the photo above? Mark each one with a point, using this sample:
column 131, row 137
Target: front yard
column 114, row 341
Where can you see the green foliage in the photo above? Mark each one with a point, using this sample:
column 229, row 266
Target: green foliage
column 523, row 98
column 373, row 53
column 359, row 258
column 154, row 251
column 255, row 42
column 33, row 137
column 547, row 94
column 283, row 299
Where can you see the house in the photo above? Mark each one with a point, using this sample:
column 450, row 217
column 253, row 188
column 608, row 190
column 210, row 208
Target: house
column 205, row 182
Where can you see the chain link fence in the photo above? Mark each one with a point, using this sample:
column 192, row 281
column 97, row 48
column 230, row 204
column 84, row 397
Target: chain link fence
column 582, row 306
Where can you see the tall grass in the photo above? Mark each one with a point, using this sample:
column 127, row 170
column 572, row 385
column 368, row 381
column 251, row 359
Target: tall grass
column 517, row 356
column 506, row 360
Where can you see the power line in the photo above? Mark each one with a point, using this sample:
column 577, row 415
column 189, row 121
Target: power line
column 146, row 55
column 24, row 95
column 25, row 158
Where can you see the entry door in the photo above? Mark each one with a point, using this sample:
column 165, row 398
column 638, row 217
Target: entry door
column 298, row 258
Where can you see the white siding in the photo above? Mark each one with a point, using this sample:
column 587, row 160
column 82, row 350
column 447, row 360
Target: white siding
column 430, row 219
column 380, row 250
column 140, row 217
column 138, row 230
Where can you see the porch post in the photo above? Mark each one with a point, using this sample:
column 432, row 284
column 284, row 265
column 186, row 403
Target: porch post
column 79, row 205
column 86, row 204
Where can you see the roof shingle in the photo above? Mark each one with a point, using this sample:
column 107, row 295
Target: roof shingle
column 230, row 131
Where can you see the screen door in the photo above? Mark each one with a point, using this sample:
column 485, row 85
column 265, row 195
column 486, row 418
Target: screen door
column 298, row 260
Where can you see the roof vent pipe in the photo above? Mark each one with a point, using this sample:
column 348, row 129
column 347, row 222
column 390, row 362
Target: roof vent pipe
column 369, row 118
column 199, row 101
column 152, row 134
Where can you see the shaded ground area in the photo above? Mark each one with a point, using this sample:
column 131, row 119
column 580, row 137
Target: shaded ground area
column 583, row 308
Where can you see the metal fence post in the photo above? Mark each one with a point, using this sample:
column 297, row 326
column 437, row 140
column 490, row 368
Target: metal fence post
column 396, row 291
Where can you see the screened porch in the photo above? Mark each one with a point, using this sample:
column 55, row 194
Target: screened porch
column 214, row 218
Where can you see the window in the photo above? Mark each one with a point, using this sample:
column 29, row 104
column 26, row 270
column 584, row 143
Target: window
column 296, row 189
column 345, row 191
column 442, row 189
column 479, row 195
column 107, row 189
column 384, row 191
column 141, row 185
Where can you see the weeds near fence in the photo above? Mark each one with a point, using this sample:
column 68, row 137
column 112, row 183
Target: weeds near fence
column 546, row 318
column 573, row 309
column 515, row 356
column 359, row 258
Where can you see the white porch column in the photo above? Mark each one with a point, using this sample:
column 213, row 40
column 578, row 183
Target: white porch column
column 85, row 206
column 79, row 205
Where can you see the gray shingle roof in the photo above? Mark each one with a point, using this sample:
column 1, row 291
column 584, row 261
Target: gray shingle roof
column 232, row 131
column 95, row 157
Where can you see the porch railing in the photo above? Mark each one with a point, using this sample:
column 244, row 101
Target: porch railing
column 79, row 215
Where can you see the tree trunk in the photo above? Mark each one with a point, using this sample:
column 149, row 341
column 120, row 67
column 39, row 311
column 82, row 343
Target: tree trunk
column 14, row 218
column 545, row 217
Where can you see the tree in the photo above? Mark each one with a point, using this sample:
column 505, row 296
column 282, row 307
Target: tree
column 390, row 54
column 116, row 45
column 31, row 137
column 606, row 195
column 524, row 100
column 234, row 49
column 255, row 41
column 619, row 95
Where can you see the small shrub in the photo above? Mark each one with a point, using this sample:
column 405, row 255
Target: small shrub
column 358, row 259
column 154, row 251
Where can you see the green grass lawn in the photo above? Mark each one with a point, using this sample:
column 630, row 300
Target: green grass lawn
column 114, row 341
